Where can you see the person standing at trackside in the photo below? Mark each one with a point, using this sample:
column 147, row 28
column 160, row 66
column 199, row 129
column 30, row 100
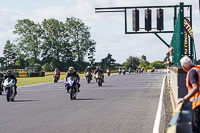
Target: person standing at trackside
column 10, row 75
column 193, row 84
column 72, row 72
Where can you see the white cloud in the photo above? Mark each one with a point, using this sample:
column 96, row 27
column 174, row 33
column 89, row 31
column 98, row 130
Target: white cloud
column 106, row 28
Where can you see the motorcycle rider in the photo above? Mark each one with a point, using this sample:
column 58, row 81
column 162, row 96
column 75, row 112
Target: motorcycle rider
column 123, row 70
column 142, row 70
column 56, row 73
column 108, row 70
column 99, row 70
column 119, row 70
column 88, row 70
column 1, row 79
column 129, row 70
column 72, row 72
column 10, row 75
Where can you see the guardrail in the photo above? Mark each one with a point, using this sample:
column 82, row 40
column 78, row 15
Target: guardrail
column 182, row 120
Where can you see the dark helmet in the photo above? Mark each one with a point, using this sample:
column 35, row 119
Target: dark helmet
column 97, row 67
column 8, row 72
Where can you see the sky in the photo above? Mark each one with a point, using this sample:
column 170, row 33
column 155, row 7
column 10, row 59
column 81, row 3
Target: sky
column 107, row 29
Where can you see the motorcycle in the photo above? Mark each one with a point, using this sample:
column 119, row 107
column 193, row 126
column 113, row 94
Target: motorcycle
column 88, row 76
column 129, row 71
column 120, row 71
column 124, row 71
column 9, row 87
column 108, row 72
column 71, row 86
column 99, row 78
column 55, row 78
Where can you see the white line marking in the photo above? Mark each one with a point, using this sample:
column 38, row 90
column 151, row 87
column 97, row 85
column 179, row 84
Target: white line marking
column 158, row 113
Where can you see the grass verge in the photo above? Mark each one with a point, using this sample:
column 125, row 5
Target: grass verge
column 36, row 80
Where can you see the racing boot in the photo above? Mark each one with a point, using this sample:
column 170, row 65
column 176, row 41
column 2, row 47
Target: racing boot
column 67, row 90
column 15, row 90
column 78, row 87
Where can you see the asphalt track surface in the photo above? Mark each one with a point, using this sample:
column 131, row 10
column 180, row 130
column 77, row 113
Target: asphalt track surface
column 124, row 104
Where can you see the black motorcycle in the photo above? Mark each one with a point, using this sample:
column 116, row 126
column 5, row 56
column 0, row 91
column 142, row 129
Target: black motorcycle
column 124, row 72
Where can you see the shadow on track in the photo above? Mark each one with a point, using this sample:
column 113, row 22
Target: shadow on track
column 85, row 99
column 26, row 100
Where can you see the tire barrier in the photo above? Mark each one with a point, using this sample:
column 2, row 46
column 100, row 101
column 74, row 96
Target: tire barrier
column 182, row 120
column 26, row 74
column 23, row 74
column 36, row 74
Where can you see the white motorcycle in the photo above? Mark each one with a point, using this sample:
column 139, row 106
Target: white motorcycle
column 88, row 76
column 9, row 87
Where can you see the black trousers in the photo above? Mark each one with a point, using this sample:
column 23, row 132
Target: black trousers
column 197, row 116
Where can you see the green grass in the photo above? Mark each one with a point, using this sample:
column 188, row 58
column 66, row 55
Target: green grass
column 36, row 80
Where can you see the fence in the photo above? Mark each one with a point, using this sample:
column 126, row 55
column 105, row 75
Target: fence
column 26, row 74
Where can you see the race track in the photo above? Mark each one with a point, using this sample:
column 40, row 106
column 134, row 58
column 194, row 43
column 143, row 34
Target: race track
column 124, row 104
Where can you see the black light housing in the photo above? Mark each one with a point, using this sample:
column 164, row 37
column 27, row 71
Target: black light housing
column 148, row 19
column 136, row 20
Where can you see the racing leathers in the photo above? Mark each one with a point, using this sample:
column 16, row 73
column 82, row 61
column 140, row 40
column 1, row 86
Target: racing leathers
column 101, row 71
column 88, row 70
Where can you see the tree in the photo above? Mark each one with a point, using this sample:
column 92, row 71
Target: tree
column 56, row 47
column 29, row 38
column 143, row 58
column 132, row 62
column 48, row 67
column 144, row 63
column 158, row 65
column 10, row 55
column 2, row 62
column 107, row 62
column 91, row 55
column 79, row 37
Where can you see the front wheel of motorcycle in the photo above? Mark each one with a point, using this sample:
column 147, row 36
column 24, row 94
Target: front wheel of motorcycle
column 8, row 95
column 88, row 80
column 100, row 83
column 71, row 93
